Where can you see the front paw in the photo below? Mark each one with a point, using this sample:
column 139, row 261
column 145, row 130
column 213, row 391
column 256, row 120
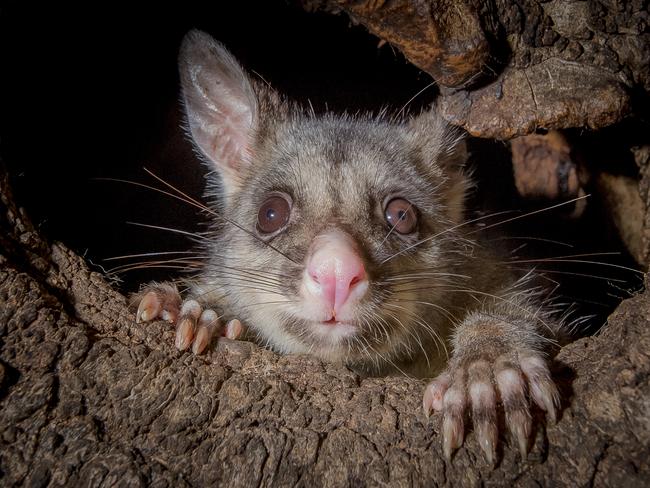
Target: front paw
column 477, row 385
column 195, row 325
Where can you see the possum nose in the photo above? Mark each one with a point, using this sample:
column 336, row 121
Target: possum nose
column 338, row 272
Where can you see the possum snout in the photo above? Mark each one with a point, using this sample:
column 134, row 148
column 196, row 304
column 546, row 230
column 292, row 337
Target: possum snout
column 335, row 277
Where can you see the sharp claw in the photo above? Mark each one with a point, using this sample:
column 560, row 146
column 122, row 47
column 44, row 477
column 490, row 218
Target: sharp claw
column 434, row 394
column 208, row 323
column 486, row 434
column 483, row 401
column 550, row 411
column 233, row 329
column 452, row 434
column 489, row 455
column 545, row 395
column 542, row 388
column 523, row 448
column 201, row 340
column 446, row 438
column 148, row 308
column 429, row 398
column 184, row 334
column 519, row 423
column 487, row 438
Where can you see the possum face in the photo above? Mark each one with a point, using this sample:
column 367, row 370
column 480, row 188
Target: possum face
column 337, row 234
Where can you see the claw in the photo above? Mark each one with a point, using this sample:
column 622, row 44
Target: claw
column 484, row 415
column 190, row 312
column 545, row 395
column 452, row 434
column 486, row 433
column 184, row 334
column 208, row 324
column 233, row 329
column 519, row 423
column 434, row 393
column 513, row 393
column 542, row 389
column 453, row 427
column 148, row 309
column 515, row 378
column 201, row 340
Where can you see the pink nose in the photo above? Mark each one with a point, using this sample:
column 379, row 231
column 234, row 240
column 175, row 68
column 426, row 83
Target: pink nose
column 338, row 270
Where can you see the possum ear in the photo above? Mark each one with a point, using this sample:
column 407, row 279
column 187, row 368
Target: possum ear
column 220, row 103
column 442, row 144
column 444, row 151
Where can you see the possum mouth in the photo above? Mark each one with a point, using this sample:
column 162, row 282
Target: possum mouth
column 334, row 330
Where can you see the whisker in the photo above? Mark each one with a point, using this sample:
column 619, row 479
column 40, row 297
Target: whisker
column 437, row 340
column 146, row 266
column 471, row 293
column 382, row 324
column 247, row 279
column 188, row 263
column 584, row 255
column 275, row 302
column 401, row 111
column 384, row 358
column 187, row 199
column 424, row 274
column 149, row 187
column 478, row 219
column 418, row 340
column 569, row 273
column 534, row 212
column 580, row 261
column 168, row 229
column 144, row 254
column 530, row 238
column 454, row 227
column 177, row 190
column 451, row 317
column 393, row 226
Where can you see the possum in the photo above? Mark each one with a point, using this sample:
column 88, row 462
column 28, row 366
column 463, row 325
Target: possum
column 345, row 237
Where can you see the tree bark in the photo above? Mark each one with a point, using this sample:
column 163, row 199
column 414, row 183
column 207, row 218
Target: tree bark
column 510, row 67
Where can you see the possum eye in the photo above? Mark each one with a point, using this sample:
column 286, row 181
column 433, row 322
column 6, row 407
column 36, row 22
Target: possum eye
column 401, row 215
column 274, row 213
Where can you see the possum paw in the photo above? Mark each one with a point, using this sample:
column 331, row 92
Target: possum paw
column 477, row 386
column 195, row 326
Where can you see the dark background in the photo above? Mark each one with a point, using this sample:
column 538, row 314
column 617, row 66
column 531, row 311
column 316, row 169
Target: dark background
column 90, row 91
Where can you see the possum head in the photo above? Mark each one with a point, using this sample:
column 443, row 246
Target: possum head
column 337, row 233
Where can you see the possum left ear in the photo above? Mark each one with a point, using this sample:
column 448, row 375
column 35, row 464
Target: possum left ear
column 444, row 151
column 221, row 106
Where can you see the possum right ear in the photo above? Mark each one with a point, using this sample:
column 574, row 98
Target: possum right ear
column 221, row 105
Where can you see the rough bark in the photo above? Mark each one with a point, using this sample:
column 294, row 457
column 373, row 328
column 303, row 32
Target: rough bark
column 509, row 67
column 89, row 397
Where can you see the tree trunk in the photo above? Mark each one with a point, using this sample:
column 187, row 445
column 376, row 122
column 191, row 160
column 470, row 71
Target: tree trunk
column 509, row 67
